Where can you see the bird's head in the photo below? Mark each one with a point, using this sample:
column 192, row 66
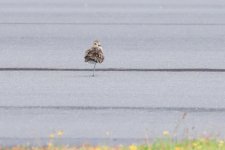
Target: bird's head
column 96, row 43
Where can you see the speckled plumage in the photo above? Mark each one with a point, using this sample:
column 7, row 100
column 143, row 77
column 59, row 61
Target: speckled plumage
column 94, row 54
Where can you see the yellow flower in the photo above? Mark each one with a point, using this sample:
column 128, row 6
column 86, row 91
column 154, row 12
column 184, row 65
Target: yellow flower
column 133, row 147
column 195, row 144
column 199, row 147
column 166, row 133
column 104, row 148
column 51, row 136
column 97, row 148
column 178, row 148
column 221, row 143
column 60, row 133
column 50, row 144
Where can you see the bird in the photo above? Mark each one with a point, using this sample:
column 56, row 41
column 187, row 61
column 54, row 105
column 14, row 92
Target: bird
column 94, row 54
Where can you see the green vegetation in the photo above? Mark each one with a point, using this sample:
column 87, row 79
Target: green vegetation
column 160, row 144
column 167, row 142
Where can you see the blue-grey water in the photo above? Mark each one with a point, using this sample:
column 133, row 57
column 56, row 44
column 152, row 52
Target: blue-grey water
column 99, row 125
column 114, row 107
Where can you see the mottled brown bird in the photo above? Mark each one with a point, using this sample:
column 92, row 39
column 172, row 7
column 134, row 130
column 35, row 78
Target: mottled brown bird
column 94, row 54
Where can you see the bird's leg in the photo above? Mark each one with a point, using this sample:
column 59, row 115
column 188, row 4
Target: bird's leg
column 94, row 70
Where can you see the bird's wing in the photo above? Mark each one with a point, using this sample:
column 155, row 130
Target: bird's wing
column 94, row 54
column 100, row 55
column 90, row 55
column 86, row 52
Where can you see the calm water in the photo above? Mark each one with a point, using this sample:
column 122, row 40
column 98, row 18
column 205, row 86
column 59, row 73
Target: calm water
column 113, row 107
